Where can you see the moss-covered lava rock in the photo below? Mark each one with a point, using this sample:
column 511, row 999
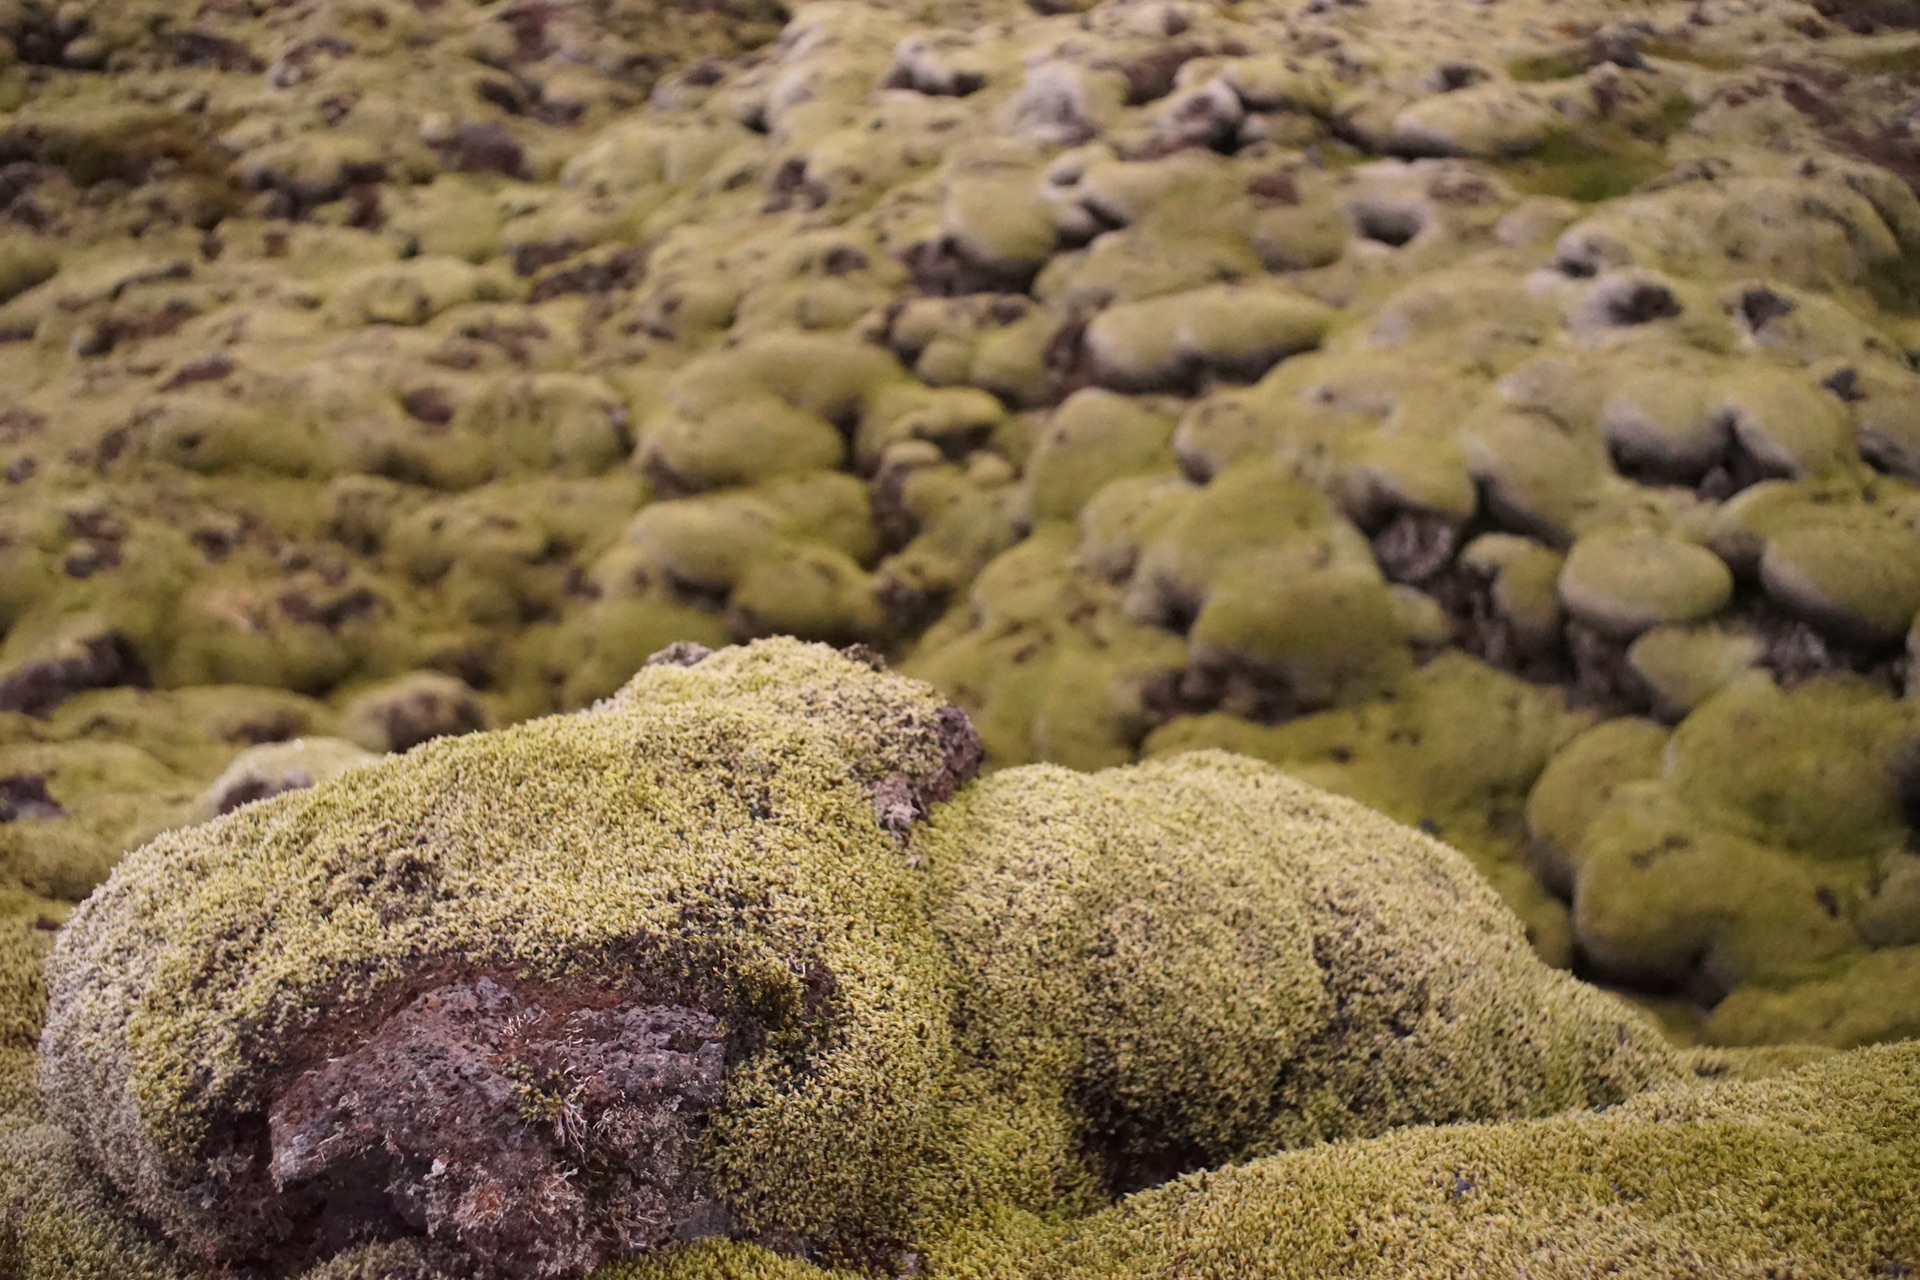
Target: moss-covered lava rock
column 740, row 952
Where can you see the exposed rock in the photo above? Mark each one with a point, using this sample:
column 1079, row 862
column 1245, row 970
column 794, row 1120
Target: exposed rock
column 468, row 1114
column 92, row 660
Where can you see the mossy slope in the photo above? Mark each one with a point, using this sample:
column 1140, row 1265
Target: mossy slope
column 1805, row 1173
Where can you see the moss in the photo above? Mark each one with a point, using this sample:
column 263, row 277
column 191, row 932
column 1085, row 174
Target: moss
column 1258, row 506
column 1537, row 68
column 1525, row 577
column 23, row 264
column 113, row 797
column 1574, row 166
column 719, row 1260
column 1668, row 903
column 1236, row 332
column 1625, row 583
column 1307, row 633
column 1045, row 659
column 1188, row 225
column 1678, row 51
column 808, row 1173
column 992, row 214
column 957, row 518
column 1579, row 780
column 1544, row 483
column 411, row 292
column 1856, row 579
column 1786, row 422
column 268, row 770
column 779, row 405
column 595, row 651
column 1895, row 285
column 26, row 932
column 194, row 731
column 1665, row 1185
column 1456, row 751
column 1093, row 438
column 272, row 354
column 1808, row 767
column 56, row 1217
column 1090, row 994
column 402, row 713
column 791, row 555
column 1742, row 856
column 495, row 557
column 393, row 1260
column 57, row 1220
column 1870, row 1000
column 712, row 830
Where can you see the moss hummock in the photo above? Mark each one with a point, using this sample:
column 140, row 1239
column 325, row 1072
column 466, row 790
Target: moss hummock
column 1053, row 988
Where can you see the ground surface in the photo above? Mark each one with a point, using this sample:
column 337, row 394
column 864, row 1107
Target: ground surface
column 1503, row 413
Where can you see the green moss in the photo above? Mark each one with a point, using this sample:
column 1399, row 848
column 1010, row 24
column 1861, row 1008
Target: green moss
column 59, row 1222
column 274, row 767
column 1003, row 1029
column 791, row 555
column 1789, row 1164
column 1045, row 659
column 1236, row 332
column 1870, row 1000
column 398, row 714
column 596, row 650
column 115, row 797
column 1894, row 285
column 1756, row 849
column 26, row 925
column 795, row 1151
column 1677, row 51
column 1093, row 438
column 1195, row 1072
column 193, row 732
column 1856, row 577
column 778, row 405
column 1331, row 635
column 1574, row 166
column 1625, row 582
column 25, row 263
column 1810, row 1168
column 1526, row 587
column 394, row 1260
column 1805, row 768
column 719, row 1260
column 1577, row 783
column 1897, row 61
column 1667, row 902
column 961, row 517
column 1538, row 68
column 1454, row 751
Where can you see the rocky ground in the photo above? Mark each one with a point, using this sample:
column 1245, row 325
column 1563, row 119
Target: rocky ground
column 1504, row 413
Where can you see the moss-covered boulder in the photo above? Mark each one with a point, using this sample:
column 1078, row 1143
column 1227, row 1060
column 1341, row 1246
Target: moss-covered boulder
column 725, row 945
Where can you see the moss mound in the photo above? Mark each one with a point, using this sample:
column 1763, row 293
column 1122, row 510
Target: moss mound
column 719, row 944
column 1808, row 1172
column 801, row 945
